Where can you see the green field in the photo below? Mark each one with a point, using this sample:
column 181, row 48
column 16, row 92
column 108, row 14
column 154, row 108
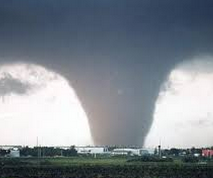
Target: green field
column 109, row 167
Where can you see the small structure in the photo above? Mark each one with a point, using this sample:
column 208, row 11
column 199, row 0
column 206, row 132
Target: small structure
column 207, row 153
column 196, row 154
column 14, row 153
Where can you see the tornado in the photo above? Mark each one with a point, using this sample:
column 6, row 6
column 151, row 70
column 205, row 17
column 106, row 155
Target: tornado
column 116, row 54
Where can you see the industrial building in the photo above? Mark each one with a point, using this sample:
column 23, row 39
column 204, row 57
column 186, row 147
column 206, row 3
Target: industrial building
column 207, row 153
column 14, row 153
column 92, row 150
column 131, row 152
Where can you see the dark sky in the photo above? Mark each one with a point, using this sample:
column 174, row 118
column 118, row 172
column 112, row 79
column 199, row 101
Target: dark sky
column 115, row 53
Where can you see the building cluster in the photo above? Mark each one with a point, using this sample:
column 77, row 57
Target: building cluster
column 18, row 151
column 115, row 151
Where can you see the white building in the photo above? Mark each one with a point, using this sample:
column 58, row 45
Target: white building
column 130, row 151
column 15, row 153
column 92, row 150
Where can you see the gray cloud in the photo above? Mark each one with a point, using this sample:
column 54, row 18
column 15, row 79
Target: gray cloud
column 9, row 85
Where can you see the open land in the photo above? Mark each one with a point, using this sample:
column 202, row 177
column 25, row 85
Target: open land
column 110, row 167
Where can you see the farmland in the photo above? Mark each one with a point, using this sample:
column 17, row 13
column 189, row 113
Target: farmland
column 88, row 167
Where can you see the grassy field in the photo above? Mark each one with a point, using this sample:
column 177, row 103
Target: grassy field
column 88, row 167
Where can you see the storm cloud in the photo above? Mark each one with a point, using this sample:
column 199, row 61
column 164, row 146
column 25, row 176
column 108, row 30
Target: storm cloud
column 115, row 53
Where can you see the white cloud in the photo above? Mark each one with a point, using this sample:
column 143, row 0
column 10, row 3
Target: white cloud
column 184, row 110
column 50, row 111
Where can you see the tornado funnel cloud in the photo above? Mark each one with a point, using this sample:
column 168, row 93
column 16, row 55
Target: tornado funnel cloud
column 115, row 54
